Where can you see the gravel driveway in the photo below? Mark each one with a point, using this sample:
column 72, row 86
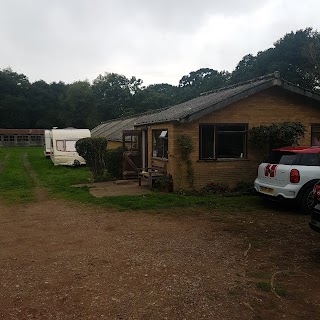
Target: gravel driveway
column 61, row 260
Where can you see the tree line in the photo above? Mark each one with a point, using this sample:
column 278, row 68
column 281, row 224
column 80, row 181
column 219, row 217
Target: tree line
column 84, row 105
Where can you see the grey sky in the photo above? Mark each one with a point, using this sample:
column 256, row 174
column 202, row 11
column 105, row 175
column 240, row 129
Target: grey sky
column 157, row 41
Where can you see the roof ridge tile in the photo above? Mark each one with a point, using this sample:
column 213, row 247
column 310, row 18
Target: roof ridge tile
column 275, row 74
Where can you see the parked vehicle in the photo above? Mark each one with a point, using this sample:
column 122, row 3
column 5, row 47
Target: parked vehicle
column 291, row 174
column 314, row 222
column 63, row 146
column 47, row 144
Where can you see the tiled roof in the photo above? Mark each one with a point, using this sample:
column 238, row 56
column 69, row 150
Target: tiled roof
column 214, row 100
column 112, row 129
column 206, row 103
column 21, row 131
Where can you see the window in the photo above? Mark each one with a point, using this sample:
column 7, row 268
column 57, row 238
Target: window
column 287, row 159
column 66, row 145
column 132, row 140
column 160, row 143
column 309, row 159
column 8, row 138
column 36, row 138
column 222, row 141
column 22, row 138
column 315, row 134
column 71, row 145
column 60, row 145
column 292, row 158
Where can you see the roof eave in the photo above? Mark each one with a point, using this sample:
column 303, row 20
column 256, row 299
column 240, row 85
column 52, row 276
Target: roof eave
column 304, row 92
column 273, row 82
column 156, row 122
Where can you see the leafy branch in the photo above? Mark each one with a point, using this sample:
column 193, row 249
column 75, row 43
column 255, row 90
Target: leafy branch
column 186, row 147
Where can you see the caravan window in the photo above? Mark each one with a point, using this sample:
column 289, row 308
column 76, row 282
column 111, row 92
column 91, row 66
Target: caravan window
column 66, row 145
column 60, row 145
column 71, row 145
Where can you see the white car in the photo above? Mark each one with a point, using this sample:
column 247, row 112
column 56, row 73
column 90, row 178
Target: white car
column 291, row 174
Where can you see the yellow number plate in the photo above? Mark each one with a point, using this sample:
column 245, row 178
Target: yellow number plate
column 266, row 190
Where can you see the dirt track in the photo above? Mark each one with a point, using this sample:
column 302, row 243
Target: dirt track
column 65, row 261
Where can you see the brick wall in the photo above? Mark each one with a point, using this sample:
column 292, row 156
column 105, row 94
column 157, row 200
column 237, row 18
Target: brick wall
column 113, row 144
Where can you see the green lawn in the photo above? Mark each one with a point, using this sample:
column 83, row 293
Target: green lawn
column 17, row 186
column 15, row 183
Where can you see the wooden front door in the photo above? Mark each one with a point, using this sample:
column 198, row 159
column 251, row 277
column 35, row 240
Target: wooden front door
column 132, row 155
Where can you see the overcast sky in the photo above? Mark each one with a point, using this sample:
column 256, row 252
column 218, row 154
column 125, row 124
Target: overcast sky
column 157, row 41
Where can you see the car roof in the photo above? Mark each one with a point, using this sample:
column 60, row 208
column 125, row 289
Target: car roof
column 299, row 149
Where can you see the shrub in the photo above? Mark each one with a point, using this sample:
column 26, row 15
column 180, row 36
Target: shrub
column 94, row 151
column 276, row 135
column 186, row 147
column 215, row 188
column 244, row 187
column 164, row 183
column 115, row 162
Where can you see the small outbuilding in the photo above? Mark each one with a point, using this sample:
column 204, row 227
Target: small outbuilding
column 112, row 130
column 21, row 137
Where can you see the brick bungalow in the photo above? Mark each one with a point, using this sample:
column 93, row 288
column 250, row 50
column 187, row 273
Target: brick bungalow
column 218, row 123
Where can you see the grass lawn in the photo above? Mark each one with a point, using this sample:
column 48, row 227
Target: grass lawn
column 17, row 186
column 15, row 183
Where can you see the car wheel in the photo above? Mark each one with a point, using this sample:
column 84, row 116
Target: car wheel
column 307, row 201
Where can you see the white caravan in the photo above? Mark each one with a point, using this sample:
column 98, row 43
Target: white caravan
column 47, row 144
column 63, row 146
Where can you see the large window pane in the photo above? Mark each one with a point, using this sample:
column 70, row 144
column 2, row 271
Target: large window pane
column 223, row 141
column 71, row 145
column 207, row 142
column 160, row 143
column 230, row 145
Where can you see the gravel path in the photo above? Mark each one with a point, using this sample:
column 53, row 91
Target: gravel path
column 61, row 260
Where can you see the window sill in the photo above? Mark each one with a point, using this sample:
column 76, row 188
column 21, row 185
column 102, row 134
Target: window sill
column 223, row 160
column 160, row 159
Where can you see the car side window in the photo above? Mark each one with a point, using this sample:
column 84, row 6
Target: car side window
column 287, row 159
column 309, row 159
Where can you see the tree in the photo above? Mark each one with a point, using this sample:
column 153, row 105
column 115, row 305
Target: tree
column 114, row 94
column 292, row 60
column 155, row 96
column 265, row 138
column 246, row 69
column 80, row 105
column 202, row 80
column 40, row 103
column 13, row 99
column 296, row 56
